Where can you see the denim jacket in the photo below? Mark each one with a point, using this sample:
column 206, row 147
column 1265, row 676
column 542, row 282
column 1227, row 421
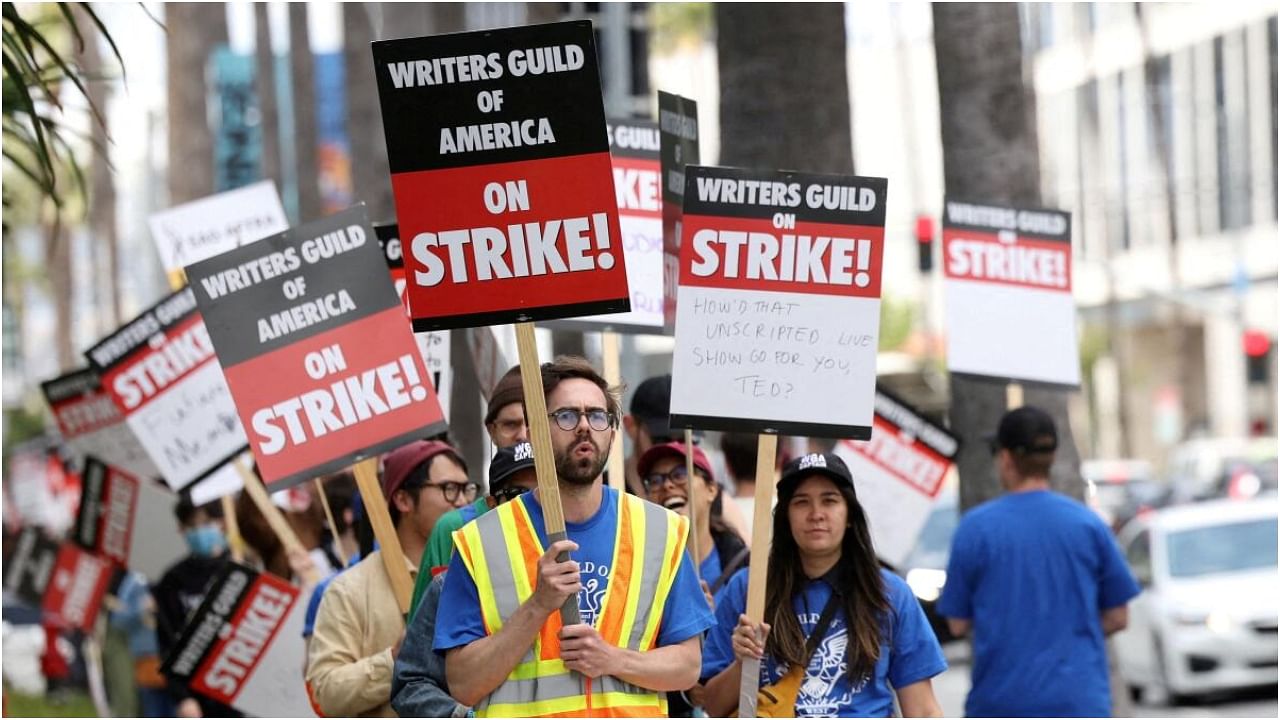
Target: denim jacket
column 418, row 687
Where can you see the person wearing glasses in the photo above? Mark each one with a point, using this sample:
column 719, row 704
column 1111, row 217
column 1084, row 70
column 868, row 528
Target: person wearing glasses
column 359, row 628
column 635, row 614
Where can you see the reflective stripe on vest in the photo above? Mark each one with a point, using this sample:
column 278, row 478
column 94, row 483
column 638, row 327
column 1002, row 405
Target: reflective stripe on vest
column 501, row 550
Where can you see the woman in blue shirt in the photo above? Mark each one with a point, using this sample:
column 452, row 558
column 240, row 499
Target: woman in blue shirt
column 823, row 576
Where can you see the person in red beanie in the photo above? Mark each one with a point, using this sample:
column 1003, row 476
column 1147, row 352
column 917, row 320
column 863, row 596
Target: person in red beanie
column 359, row 627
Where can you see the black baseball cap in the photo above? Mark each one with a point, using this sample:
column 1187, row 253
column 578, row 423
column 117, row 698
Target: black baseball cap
column 651, row 407
column 507, row 462
column 1025, row 430
column 828, row 464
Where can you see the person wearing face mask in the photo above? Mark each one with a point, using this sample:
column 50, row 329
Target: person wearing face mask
column 183, row 586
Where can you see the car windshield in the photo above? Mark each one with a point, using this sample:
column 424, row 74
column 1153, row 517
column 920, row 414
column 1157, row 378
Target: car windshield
column 1223, row 548
column 934, row 546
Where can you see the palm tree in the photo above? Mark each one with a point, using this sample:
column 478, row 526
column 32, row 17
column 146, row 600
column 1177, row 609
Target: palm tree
column 194, row 31
column 784, row 89
column 265, row 77
column 989, row 151
column 302, row 67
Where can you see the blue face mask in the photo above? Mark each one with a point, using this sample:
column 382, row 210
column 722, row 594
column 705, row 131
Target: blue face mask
column 205, row 540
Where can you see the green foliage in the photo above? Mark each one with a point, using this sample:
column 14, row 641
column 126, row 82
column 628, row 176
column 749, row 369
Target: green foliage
column 37, row 142
column 678, row 23
column 897, row 318
column 20, row 425
column 68, row 704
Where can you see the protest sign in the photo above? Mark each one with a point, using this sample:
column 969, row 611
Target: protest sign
column 779, row 302
column 28, row 564
column 161, row 371
column 678, row 137
column 502, row 177
column 433, row 345
column 213, row 225
column 220, row 483
column 118, row 520
column 75, row 590
column 898, row 474
column 243, row 645
column 315, row 348
column 91, row 423
column 1009, row 312
column 633, row 145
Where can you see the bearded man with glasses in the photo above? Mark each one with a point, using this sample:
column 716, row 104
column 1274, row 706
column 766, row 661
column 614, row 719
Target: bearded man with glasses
column 359, row 628
column 508, row 650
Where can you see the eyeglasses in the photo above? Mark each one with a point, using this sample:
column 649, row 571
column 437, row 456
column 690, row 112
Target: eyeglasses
column 507, row 494
column 568, row 418
column 451, row 490
column 679, row 476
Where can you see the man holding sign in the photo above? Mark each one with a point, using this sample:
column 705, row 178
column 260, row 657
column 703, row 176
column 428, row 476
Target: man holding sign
column 506, row 650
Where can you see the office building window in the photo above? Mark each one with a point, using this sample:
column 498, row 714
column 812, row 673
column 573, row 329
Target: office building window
column 1120, row 206
column 1160, row 132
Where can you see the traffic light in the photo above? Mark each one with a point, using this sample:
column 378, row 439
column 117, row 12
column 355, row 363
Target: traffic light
column 924, row 242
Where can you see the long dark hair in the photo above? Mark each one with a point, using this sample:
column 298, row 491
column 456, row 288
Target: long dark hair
column 860, row 589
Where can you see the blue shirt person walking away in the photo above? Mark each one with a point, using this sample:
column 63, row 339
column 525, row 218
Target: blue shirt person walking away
column 857, row 630
column 1041, row 583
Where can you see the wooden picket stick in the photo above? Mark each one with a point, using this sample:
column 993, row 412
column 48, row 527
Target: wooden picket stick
column 281, row 527
column 235, row 543
column 333, row 527
column 1013, row 395
column 695, row 495
column 613, row 376
column 535, row 404
column 761, row 539
column 375, row 507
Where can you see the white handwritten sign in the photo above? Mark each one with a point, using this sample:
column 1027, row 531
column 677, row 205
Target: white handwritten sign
column 778, row 311
column 210, row 226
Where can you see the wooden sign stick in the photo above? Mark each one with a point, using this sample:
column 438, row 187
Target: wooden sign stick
column 695, row 495
column 333, row 527
column 613, row 376
column 761, row 539
column 281, row 527
column 235, row 543
column 375, row 506
column 535, row 405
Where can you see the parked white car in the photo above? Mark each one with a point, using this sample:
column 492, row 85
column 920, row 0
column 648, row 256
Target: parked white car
column 1206, row 618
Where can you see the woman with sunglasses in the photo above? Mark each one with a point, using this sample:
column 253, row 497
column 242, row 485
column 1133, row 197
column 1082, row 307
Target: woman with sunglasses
column 856, row 630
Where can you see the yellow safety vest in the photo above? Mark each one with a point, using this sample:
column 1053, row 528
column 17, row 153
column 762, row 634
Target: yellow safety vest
column 501, row 550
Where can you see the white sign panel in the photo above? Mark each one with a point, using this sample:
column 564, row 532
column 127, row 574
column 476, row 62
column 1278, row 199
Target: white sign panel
column 778, row 311
column 163, row 375
column 1009, row 312
column 898, row 474
column 210, row 226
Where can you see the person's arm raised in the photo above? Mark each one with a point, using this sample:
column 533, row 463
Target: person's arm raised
column 477, row 669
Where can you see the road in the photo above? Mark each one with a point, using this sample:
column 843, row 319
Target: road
column 952, row 686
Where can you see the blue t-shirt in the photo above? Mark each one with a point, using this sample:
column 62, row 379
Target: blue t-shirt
column 685, row 614
column 1033, row 571
column 910, row 652
column 313, row 604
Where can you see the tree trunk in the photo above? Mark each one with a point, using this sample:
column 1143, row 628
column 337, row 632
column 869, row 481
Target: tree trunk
column 989, row 153
column 194, row 30
column 57, row 248
column 265, row 79
column 102, row 197
column 784, row 89
column 302, row 66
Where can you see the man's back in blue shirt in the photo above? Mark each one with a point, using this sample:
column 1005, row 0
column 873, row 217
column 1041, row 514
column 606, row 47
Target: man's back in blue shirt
column 1034, row 572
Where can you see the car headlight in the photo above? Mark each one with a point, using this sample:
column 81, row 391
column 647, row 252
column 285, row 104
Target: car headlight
column 926, row 583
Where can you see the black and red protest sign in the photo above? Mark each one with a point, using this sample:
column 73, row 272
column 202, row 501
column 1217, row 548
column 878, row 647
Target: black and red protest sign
column 76, row 588
column 116, row 520
column 161, row 371
column 28, row 564
column 899, row 473
column 1010, row 313
column 502, row 177
column 243, row 645
column 778, row 313
column 314, row 344
column 92, row 424
column 678, row 127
